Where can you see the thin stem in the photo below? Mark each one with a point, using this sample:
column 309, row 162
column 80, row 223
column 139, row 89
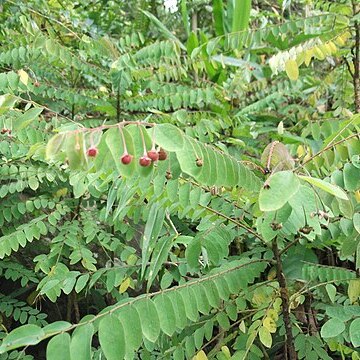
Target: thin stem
column 326, row 149
column 123, row 139
column 143, row 140
column 233, row 221
column 285, row 302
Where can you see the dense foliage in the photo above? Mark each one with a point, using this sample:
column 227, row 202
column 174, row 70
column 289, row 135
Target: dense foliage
column 242, row 241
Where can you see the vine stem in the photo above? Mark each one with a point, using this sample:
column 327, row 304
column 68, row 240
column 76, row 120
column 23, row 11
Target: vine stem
column 151, row 295
column 285, row 302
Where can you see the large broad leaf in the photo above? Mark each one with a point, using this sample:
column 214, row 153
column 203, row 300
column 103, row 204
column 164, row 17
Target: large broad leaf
column 241, row 15
column 279, row 189
column 169, row 137
column 111, row 337
column 60, row 341
column 323, row 185
column 332, row 328
column 22, row 336
column 80, row 346
column 150, row 322
column 166, row 312
column 218, row 12
column 355, row 332
column 114, row 142
column 131, row 323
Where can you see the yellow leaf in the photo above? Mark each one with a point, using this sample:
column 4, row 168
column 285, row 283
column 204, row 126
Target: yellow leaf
column 225, row 350
column 269, row 324
column 124, row 285
column 318, row 53
column 292, row 69
column 265, row 337
column 308, row 56
column 272, row 273
column 200, row 356
column 272, row 313
column 354, row 290
column 24, row 77
column 132, row 259
column 357, row 195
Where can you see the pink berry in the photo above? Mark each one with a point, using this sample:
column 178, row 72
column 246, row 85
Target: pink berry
column 92, row 151
column 153, row 155
column 126, row 159
column 145, row 161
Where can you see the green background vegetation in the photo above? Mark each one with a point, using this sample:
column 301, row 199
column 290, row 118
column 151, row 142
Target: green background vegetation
column 243, row 243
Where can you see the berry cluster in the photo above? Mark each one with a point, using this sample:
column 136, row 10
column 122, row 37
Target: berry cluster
column 147, row 159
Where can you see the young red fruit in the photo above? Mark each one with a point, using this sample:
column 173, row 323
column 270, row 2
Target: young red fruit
column 145, row 161
column 4, row 131
column 92, row 151
column 162, row 155
column 126, row 159
column 153, row 155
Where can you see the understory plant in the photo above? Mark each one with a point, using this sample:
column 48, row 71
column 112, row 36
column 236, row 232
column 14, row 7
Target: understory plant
column 180, row 185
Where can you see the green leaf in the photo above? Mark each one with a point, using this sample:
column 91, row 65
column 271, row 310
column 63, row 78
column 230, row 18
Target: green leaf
column 56, row 326
column 292, row 69
column 282, row 186
column 241, row 15
column 265, row 337
column 331, row 291
column 81, row 282
column 166, row 314
column 26, row 118
column 54, row 145
column 150, row 322
column 356, row 220
column 131, row 323
column 351, row 177
column 169, row 137
column 159, row 256
column 58, row 347
column 151, row 233
column 114, row 143
column 332, row 328
column 166, row 32
column 111, row 338
column 218, row 14
column 80, row 345
column 22, row 336
column 354, row 332
column 323, row 185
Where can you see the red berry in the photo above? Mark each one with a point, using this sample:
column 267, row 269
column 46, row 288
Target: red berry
column 92, row 151
column 162, row 154
column 153, row 155
column 145, row 161
column 4, row 131
column 37, row 84
column 126, row 159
